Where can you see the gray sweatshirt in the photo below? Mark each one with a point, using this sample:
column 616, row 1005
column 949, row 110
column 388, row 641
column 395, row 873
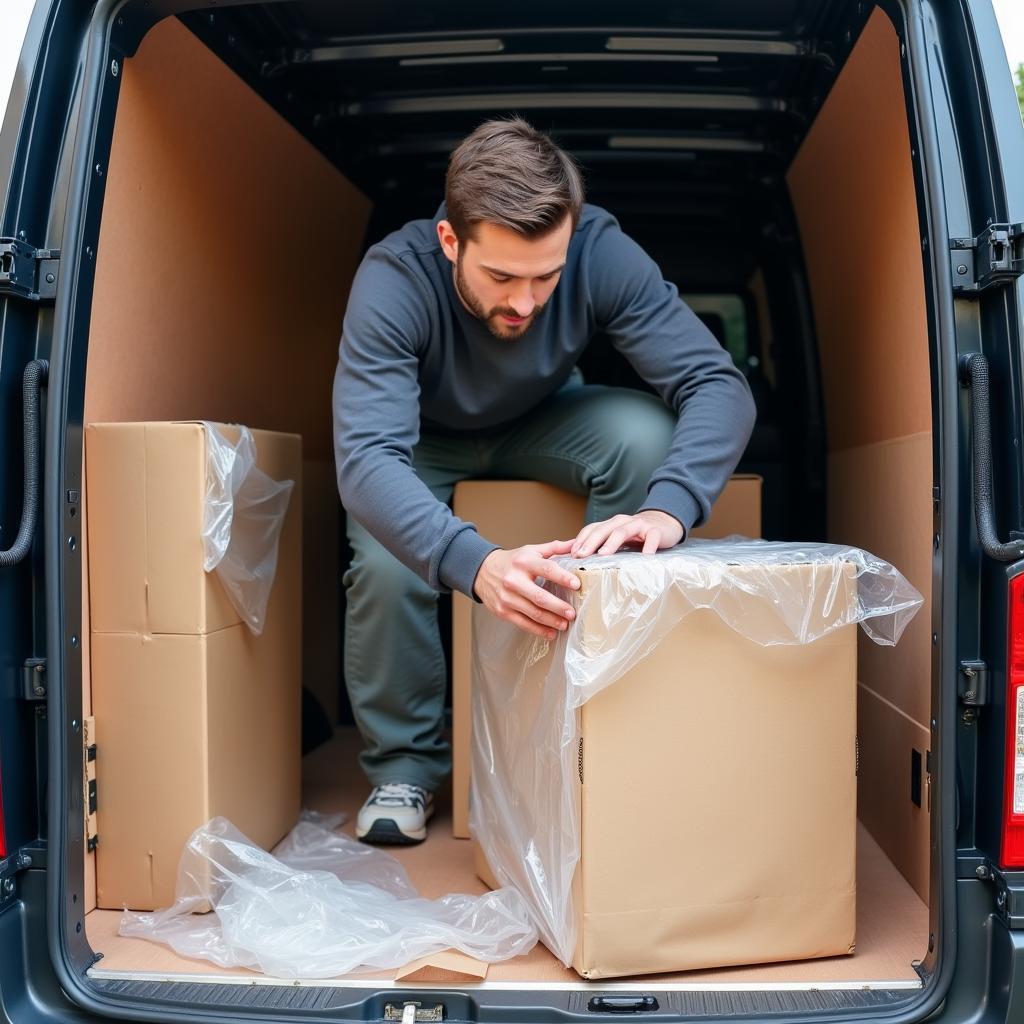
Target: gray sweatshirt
column 413, row 357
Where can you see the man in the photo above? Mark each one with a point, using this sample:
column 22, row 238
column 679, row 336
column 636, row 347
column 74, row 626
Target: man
column 457, row 360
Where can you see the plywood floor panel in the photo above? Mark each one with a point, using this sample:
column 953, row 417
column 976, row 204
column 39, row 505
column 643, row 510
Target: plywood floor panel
column 892, row 922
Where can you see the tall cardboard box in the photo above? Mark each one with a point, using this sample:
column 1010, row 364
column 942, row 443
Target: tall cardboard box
column 715, row 794
column 516, row 512
column 197, row 716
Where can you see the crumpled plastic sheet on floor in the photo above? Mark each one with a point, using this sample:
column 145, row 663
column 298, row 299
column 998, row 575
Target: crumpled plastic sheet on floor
column 321, row 905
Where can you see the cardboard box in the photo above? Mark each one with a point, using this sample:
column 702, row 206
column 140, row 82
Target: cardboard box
column 516, row 512
column 197, row 716
column 716, row 797
column 193, row 727
column 146, row 484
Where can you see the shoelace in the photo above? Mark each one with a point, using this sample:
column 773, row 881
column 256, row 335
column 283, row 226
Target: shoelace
column 399, row 794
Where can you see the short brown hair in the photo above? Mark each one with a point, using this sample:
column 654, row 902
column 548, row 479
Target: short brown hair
column 508, row 173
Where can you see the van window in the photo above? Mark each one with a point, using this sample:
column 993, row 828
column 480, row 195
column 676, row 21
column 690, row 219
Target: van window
column 725, row 316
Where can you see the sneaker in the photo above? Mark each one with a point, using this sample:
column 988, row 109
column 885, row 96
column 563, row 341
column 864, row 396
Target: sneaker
column 395, row 814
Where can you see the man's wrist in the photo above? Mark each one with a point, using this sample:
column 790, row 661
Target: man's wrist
column 474, row 593
column 461, row 563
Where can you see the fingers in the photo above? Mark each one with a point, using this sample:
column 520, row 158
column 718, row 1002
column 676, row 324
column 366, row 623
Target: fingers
column 555, row 547
column 615, row 533
column 528, row 625
column 581, row 538
column 607, row 537
column 652, row 541
column 594, row 535
column 524, row 606
column 524, row 587
column 534, row 565
column 635, row 529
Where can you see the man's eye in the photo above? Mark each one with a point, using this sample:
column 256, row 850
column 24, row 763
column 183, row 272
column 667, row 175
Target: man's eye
column 500, row 280
column 551, row 276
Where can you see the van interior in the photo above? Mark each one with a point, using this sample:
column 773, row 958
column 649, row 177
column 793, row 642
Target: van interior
column 762, row 153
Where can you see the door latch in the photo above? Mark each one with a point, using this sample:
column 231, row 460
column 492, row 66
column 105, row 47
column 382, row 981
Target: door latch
column 622, row 1004
column 414, row 1013
column 27, row 272
column 995, row 257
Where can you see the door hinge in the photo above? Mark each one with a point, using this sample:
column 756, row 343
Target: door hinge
column 995, row 257
column 33, row 679
column 1009, row 892
column 27, row 272
column 32, row 855
column 972, row 684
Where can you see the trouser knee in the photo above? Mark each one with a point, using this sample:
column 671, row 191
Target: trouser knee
column 638, row 430
column 376, row 574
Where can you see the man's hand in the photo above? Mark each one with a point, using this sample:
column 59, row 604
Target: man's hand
column 505, row 584
column 651, row 528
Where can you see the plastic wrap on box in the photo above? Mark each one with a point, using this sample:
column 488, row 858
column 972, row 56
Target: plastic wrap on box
column 524, row 810
column 323, row 904
column 243, row 515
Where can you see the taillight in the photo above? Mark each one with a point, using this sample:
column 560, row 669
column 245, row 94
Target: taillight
column 1012, row 847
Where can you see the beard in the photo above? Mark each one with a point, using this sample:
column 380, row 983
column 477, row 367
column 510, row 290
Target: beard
column 500, row 330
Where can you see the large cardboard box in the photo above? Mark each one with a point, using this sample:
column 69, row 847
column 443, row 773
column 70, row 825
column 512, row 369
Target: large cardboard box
column 197, row 716
column 716, row 793
column 516, row 512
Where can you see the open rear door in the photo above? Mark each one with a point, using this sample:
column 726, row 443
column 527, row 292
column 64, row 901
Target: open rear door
column 973, row 153
column 22, row 385
column 39, row 86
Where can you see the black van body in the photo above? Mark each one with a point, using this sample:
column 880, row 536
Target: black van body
column 968, row 144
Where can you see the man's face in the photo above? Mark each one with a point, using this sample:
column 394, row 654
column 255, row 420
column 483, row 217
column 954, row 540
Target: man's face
column 504, row 278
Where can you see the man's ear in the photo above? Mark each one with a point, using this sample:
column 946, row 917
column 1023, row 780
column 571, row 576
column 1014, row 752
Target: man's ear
column 448, row 239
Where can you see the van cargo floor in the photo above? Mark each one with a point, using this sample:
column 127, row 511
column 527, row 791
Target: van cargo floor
column 892, row 921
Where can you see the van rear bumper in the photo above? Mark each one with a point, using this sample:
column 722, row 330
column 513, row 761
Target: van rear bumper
column 988, row 982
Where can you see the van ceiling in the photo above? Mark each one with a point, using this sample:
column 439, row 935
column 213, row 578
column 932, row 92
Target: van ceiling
column 682, row 114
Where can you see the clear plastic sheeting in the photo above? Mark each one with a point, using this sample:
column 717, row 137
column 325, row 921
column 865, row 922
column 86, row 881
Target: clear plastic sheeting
column 243, row 516
column 314, row 845
column 322, row 905
column 527, row 690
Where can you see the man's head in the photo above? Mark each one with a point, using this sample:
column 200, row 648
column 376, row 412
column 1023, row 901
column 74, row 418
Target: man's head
column 513, row 200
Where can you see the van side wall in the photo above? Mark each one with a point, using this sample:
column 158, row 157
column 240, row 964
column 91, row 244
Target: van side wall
column 852, row 186
column 220, row 222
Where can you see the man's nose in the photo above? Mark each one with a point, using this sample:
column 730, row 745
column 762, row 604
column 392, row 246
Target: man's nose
column 521, row 300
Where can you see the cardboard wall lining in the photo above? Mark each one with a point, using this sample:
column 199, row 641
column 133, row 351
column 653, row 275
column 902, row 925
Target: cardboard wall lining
column 206, row 304
column 852, row 185
column 887, row 742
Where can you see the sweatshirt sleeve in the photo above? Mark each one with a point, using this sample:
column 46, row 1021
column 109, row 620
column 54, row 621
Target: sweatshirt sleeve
column 671, row 349
column 376, row 405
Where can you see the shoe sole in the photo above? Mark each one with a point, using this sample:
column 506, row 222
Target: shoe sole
column 385, row 832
